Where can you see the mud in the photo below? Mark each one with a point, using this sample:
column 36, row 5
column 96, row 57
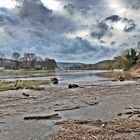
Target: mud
column 97, row 100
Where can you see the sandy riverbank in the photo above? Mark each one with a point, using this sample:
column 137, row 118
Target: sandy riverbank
column 99, row 100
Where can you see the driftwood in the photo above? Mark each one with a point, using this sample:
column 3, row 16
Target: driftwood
column 121, row 78
column 74, row 86
column 65, row 109
column 91, row 103
column 54, row 80
column 25, row 94
column 133, row 108
column 134, row 111
column 51, row 116
column 2, row 122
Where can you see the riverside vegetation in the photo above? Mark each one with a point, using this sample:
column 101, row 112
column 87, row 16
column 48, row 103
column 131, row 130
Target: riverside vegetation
column 35, row 85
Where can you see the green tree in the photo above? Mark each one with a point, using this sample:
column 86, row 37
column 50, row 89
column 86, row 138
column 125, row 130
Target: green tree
column 119, row 62
column 131, row 58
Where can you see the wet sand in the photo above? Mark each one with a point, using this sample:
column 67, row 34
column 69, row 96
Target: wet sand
column 98, row 100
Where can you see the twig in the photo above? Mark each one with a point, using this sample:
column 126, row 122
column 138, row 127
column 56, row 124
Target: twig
column 134, row 112
column 93, row 136
column 132, row 108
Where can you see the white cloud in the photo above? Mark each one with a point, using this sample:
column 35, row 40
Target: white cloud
column 117, row 6
column 8, row 4
column 52, row 4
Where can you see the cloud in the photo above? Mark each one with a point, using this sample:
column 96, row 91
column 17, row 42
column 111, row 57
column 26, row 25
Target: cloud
column 101, row 30
column 130, row 25
column 36, row 13
column 113, row 18
column 80, row 31
column 7, row 17
column 109, row 25
column 73, row 9
column 78, row 46
column 134, row 4
column 112, row 43
column 7, row 3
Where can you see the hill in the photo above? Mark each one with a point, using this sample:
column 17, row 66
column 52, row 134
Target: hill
column 67, row 65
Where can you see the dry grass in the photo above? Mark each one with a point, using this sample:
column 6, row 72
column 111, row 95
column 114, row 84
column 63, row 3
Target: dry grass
column 22, row 84
column 115, row 75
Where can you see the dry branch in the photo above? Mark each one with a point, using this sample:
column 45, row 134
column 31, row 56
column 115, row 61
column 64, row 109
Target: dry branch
column 134, row 111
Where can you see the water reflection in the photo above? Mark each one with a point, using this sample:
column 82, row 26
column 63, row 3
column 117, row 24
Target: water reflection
column 64, row 77
column 79, row 77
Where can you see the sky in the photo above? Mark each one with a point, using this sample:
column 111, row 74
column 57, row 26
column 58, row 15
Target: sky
column 84, row 31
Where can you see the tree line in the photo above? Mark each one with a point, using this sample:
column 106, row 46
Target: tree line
column 27, row 61
column 126, row 60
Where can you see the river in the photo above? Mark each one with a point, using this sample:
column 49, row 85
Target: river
column 79, row 77
column 64, row 77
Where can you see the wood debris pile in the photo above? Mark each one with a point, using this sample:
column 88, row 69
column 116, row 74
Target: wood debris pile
column 111, row 130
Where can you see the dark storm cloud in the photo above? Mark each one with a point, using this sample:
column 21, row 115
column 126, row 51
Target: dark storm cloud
column 87, row 8
column 78, row 46
column 113, row 18
column 106, row 27
column 73, row 9
column 84, row 3
column 129, row 23
column 36, row 13
column 130, row 26
column 70, row 8
column 81, row 50
column 101, row 30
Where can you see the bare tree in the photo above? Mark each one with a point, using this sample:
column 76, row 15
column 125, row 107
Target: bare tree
column 15, row 56
column 2, row 56
column 29, row 57
column 39, row 59
column 49, row 64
